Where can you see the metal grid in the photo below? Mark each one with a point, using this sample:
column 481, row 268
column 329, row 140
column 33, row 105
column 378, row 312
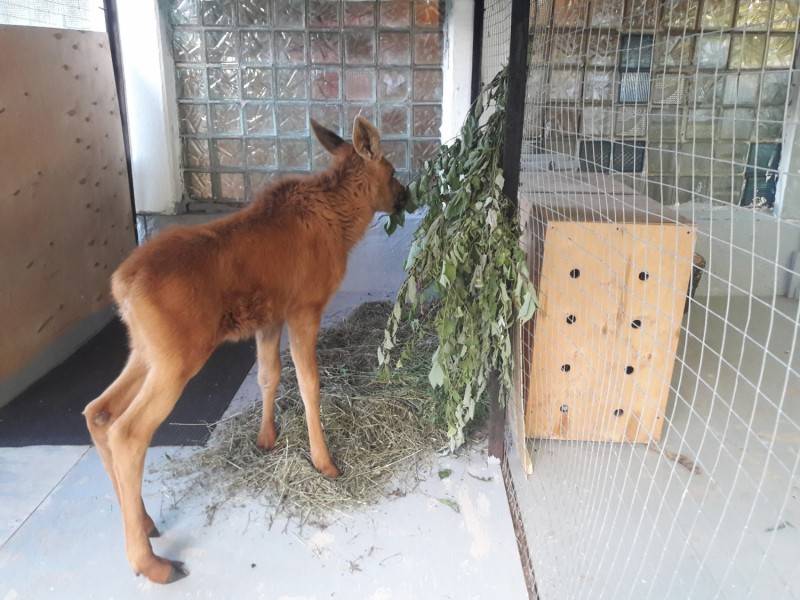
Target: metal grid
column 683, row 110
column 250, row 74
column 85, row 15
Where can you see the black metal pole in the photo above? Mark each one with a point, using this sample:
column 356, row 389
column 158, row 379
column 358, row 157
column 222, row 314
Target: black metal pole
column 477, row 48
column 112, row 28
column 512, row 152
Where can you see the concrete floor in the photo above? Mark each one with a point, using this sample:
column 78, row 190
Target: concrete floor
column 61, row 533
column 622, row 521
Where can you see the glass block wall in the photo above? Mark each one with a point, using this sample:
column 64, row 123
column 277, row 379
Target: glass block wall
column 251, row 73
column 686, row 96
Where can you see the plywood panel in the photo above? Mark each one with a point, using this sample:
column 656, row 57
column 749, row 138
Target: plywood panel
column 65, row 214
column 606, row 332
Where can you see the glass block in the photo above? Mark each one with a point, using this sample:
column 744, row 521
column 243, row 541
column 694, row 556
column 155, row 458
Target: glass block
column 570, row 13
column 257, row 181
column 293, row 154
column 565, row 85
column 747, row 51
column 259, row 118
column 664, row 126
column 753, row 13
column 597, row 85
column 359, row 47
column 228, row 153
column 661, row 161
column 427, row 48
column 291, row 119
column 427, row 121
column 320, row 157
column 257, row 83
column 359, row 85
column 563, row 153
column 394, row 48
column 566, row 49
column 195, row 152
column 323, row 13
column 325, row 47
column 427, row 85
column 706, row 89
column 191, row 82
column 221, row 47
column 636, row 52
column 679, row 14
column 395, row 13
column 325, row 84
column 601, row 49
column 193, row 118
column 187, row 46
column 700, row 123
column 597, row 121
column 595, row 157
column 352, row 111
column 631, row 121
column 606, row 13
column 669, row 89
column 184, row 12
column 396, row 152
column 261, row 153
column 423, row 151
column 737, row 123
column 328, row 115
column 712, row 51
column 291, row 84
column 198, row 185
column 717, row 14
column 257, row 47
column 641, row 14
column 774, row 87
column 674, row 51
column 780, row 51
column 634, row 88
column 290, row 47
column 561, row 121
column 394, row 120
column 427, row 13
column 231, row 186
column 254, row 12
column 627, row 157
column 217, row 13
column 290, row 14
column 359, row 14
column 741, row 89
column 769, row 125
column 785, row 14
column 226, row 118
column 223, row 83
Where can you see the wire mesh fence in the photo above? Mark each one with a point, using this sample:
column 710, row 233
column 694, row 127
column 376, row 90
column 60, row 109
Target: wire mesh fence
column 658, row 386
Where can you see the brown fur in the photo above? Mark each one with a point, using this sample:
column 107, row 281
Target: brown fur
column 191, row 288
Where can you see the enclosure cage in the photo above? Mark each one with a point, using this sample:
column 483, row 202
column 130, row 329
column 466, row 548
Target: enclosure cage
column 653, row 439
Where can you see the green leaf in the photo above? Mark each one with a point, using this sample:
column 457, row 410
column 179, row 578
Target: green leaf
column 445, row 473
column 436, row 375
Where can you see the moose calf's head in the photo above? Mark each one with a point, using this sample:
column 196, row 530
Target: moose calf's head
column 390, row 195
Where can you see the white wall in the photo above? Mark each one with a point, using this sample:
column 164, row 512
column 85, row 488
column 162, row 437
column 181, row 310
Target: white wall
column 152, row 110
column 457, row 76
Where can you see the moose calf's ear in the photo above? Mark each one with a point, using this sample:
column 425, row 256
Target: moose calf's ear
column 366, row 139
column 329, row 140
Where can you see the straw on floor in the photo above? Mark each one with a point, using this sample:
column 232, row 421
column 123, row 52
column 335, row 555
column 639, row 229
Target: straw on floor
column 380, row 430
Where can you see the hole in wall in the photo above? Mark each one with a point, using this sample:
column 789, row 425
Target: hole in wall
column 565, row 368
column 571, row 319
column 628, row 370
column 575, row 273
column 564, row 408
column 636, row 323
column 644, row 275
column 618, row 412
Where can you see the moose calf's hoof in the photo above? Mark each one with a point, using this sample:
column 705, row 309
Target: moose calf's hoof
column 178, row 571
column 329, row 470
column 154, row 532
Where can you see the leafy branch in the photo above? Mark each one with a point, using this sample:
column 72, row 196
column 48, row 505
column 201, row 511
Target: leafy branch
column 465, row 253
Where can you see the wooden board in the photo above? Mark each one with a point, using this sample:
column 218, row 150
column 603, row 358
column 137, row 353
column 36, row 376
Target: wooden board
column 65, row 211
column 606, row 332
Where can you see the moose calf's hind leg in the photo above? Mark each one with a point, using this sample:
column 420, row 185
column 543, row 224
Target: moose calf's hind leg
column 268, row 342
column 128, row 439
column 303, row 340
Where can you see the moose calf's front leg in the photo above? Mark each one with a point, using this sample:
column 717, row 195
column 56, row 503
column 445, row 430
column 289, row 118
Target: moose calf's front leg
column 268, row 343
column 303, row 340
